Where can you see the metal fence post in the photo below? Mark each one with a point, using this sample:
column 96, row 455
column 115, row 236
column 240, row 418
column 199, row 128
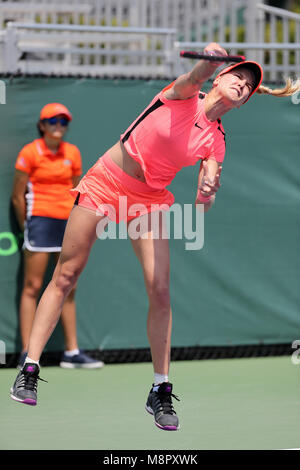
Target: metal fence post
column 133, row 14
column 10, row 49
column 251, row 12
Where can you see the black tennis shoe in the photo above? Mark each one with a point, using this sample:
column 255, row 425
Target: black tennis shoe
column 24, row 389
column 160, row 405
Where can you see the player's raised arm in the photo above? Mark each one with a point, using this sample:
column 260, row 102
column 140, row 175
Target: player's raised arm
column 190, row 83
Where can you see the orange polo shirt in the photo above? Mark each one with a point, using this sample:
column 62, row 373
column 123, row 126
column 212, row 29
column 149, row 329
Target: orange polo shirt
column 50, row 178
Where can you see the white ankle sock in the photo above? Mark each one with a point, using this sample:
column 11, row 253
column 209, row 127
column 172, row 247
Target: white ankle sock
column 31, row 361
column 72, row 352
column 160, row 378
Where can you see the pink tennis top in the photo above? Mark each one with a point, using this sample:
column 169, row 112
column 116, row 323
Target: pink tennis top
column 172, row 134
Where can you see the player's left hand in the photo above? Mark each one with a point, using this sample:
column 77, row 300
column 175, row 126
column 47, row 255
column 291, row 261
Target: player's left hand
column 209, row 187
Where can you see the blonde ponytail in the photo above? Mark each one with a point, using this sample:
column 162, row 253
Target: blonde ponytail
column 289, row 89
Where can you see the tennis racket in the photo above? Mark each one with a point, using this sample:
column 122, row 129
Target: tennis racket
column 213, row 58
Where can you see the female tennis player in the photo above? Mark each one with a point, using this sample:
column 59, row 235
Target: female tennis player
column 45, row 170
column 180, row 127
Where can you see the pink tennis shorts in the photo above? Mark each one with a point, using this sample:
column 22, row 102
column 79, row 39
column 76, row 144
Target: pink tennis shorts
column 108, row 190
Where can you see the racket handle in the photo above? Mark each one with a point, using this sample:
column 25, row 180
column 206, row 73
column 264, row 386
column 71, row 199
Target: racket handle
column 213, row 58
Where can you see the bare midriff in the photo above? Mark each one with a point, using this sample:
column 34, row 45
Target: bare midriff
column 121, row 157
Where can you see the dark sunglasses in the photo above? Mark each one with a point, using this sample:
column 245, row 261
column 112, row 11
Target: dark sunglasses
column 54, row 120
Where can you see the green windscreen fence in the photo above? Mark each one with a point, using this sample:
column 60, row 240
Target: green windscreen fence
column 240, row 288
